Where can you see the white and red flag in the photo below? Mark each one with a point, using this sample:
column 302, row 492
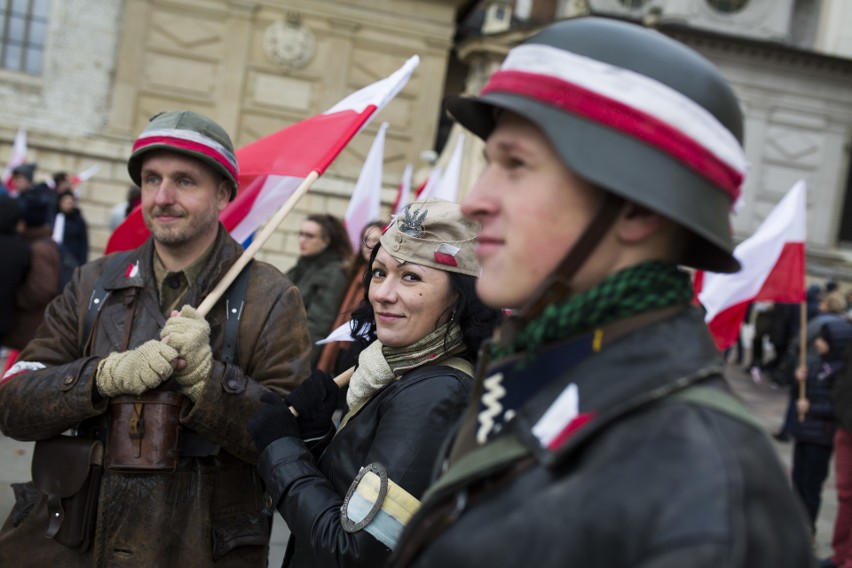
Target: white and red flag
column 773, row 269
column 447, row 184
column 272, row 168
column 431, row 183
column 403, row 195
column 78, row 178
column 366, row 202
column 16, row 158
column 84, row 176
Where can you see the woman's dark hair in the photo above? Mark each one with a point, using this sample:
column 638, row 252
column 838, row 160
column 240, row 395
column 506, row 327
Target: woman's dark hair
column 335, row 232
column 477, row 321
column 359, row 264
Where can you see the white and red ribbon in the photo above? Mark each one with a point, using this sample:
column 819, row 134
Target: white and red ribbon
column 190, row 140
column 627, row 101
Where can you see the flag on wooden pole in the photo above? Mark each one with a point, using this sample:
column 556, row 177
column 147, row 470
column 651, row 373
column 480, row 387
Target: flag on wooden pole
column 773, row 268
column 272, row 168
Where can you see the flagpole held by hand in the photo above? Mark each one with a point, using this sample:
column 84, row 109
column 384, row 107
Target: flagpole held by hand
column 248, row 254
column 340, row 380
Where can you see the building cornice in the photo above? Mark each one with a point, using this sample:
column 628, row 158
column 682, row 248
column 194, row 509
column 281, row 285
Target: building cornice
column 795, row 58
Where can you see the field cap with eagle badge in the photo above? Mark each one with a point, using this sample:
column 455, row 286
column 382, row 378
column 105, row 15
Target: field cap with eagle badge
column 433, row 233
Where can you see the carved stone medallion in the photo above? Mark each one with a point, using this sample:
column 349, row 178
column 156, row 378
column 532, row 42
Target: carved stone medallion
column 289, row 44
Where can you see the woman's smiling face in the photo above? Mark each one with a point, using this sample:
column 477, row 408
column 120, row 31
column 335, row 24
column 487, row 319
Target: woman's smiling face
column 409, row 300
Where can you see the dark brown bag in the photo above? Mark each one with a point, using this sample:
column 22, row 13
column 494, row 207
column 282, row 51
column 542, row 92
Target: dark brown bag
column 144, row 432
column 68, row 471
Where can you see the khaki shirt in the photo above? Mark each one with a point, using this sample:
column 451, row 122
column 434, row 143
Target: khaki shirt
column 171, row 286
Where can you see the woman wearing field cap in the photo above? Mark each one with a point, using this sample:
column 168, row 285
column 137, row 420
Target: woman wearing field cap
column 603, row 433
column 412, row 383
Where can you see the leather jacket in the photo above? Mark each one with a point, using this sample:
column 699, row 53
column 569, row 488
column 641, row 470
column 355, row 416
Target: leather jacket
column 210, row 507
column 650, row 477
column 403, row 427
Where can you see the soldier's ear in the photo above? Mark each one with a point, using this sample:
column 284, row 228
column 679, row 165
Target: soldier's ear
column 637, row 223
column 223, row 196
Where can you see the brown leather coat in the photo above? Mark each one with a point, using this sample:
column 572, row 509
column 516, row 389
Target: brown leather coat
column 209, row 509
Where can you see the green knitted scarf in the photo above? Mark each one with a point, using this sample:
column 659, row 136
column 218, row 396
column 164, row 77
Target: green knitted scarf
column 640, row 288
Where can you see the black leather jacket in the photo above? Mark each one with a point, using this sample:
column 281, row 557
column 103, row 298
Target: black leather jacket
column 651, row 480
column 403, row 427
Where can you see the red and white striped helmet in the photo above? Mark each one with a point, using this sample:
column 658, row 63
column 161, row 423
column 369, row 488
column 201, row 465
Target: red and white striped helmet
column 191, row 134
column 634, row 112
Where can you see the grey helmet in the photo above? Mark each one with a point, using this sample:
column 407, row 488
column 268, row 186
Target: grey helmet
column 633, row 112
column 191, row 134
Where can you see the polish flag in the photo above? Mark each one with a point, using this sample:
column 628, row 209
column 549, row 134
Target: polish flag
column 272, row 168
column 446, row 186
column 366, row 201
column 17, row 158
column 77, row 179
column 773, row 268
column 403, row 196
column 84, row 176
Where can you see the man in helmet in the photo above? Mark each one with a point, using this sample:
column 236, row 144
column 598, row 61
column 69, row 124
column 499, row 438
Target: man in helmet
column 168, row 393
column 602, row 432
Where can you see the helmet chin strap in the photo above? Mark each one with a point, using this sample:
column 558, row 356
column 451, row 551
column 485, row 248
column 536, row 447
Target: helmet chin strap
column 557, row 286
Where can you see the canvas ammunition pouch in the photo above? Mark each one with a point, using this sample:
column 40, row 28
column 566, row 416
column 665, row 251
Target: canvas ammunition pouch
column 144, row 432
column 68, row 471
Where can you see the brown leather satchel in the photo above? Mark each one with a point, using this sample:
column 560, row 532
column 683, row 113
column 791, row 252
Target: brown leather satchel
column 68, row 471
column 144, row 432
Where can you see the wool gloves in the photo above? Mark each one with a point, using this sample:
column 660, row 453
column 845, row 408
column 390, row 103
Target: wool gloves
column 185, row 336
column 137, row 370
column 189, row 334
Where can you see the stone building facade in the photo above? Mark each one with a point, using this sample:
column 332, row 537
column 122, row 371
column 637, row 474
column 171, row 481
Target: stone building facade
column 255, row 66
column 260, row 65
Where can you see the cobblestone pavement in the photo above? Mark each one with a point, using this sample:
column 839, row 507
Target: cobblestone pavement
column 767, row 404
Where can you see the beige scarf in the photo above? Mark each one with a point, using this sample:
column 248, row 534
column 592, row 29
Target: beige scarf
column 379, row 365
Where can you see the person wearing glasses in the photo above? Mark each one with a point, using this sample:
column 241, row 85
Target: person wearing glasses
column 321, row 273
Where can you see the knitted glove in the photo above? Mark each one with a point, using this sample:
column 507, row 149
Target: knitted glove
column 315, row 400
column 189, row 333
column 135, row 371
column 274, row 420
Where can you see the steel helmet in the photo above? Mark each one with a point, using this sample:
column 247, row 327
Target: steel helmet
column 633, row 112
column 190, row 134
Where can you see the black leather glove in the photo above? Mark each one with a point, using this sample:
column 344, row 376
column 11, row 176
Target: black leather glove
column 315, row 400
column 274, row 420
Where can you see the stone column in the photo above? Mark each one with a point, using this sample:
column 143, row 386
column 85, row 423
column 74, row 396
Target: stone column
column 131, row 54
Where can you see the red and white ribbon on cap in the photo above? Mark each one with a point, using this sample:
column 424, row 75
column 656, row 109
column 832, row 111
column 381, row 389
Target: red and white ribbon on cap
column 627, row 101
column 190, row 140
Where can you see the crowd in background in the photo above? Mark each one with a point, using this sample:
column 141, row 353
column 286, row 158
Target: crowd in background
column 45, row 238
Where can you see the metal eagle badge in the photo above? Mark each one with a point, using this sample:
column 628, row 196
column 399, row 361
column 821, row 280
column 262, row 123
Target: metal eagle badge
column 412, row 222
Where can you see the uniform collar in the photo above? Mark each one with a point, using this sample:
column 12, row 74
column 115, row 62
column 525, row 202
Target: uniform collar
column 137, row 271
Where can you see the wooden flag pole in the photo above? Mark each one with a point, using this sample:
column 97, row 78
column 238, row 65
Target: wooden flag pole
column 259, row 240
column 222, row 286
column 803, row 335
